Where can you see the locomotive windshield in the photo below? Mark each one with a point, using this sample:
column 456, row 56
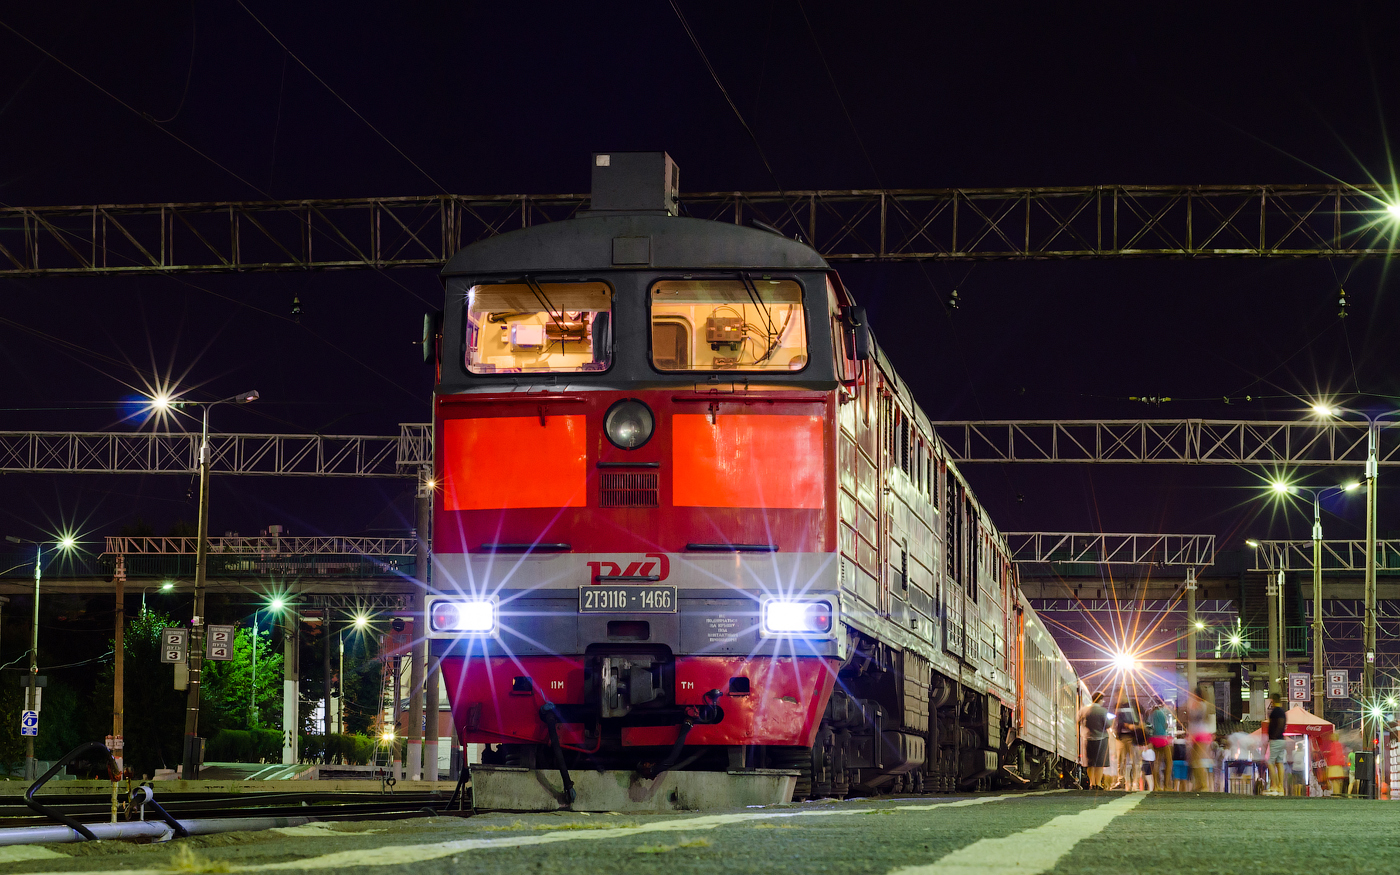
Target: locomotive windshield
column 728, row 325
column 532, row 327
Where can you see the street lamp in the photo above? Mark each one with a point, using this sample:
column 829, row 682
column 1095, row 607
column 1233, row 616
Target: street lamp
column 189, row 769
column 1318, row 678
column 274, row 606
column 65, row 543
column 1368, row 646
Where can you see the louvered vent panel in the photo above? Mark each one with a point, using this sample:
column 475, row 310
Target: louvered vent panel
column 630, row 490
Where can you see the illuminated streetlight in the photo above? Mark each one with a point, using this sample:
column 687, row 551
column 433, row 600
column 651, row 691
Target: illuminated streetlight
column 1200, row 625
column 189, row 769
column 276, row 604
column 1323, row 410
column 1250, row 542
column 1125, row 661
column 1394, row 210
column 361, row 621
column 1281, row 487
column 66, row 544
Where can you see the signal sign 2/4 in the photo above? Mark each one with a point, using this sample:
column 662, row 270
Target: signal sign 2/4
column 219, row 643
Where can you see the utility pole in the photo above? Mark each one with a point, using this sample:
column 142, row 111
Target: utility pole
column 1368, row 665
column 1271, row 590
column 291, row 680
column 326, row 668
column 189, row 769
column 31, row 765
column 118, row 745
column 418, row 651
column 1319, row 674
column 1191, row 677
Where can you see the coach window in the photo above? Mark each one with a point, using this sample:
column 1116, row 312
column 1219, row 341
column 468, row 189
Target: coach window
column 533, row 327
column 728, row 325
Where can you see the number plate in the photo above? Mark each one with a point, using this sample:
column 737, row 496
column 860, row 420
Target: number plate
column 612, row 599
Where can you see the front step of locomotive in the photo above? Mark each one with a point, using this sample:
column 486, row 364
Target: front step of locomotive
column 516, row 788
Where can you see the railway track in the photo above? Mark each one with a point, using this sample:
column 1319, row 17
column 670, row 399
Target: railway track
column 97, row 808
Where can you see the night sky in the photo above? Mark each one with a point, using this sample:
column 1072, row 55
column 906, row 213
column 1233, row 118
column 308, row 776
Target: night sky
column 507, row 98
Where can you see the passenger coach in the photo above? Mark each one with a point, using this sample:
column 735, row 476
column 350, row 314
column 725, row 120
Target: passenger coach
column 689, row 518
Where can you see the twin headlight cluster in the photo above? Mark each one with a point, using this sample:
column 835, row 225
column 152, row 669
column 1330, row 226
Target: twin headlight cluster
column 451, row 617
column 797, row 618
column 779, row 617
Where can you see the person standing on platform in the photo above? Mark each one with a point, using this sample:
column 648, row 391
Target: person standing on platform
column 1161, row 738
column 1094, row 717
column 1278, row 750
column 1125, row 724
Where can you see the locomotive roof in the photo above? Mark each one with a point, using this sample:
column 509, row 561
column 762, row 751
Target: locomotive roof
column 586, row 244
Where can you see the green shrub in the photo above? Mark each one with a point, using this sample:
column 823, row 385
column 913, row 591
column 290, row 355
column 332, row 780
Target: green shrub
column 244, row 746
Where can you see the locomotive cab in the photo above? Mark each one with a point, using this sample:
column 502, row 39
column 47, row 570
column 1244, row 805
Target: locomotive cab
column 660, row 538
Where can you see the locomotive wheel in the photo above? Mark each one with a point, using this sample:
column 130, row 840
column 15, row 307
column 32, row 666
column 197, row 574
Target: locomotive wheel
column 798, row 758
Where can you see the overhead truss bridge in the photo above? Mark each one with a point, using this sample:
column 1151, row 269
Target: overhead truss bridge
column 950, row 224
column 406, row 455
column 1168, row 442
column 1111, row 549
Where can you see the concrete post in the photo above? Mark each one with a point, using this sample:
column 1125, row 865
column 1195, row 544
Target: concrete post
column 291, row 683
column 432, row 713
column 1319, row 664
column 1191, row 674
column 1272, row 590
column 418, row 649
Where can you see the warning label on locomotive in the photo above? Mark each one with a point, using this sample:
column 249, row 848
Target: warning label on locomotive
column 722, row 630
column 627, row 599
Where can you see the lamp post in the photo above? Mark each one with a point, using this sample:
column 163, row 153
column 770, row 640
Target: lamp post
column 1318, row 690
column 189, row 769
column 66, row 543
column 1368, row 645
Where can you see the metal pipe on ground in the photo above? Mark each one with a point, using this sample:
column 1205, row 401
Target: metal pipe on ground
column 143, row 829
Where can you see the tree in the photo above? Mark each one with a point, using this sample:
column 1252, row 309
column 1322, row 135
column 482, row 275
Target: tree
column 227, row 695
column 155, row 710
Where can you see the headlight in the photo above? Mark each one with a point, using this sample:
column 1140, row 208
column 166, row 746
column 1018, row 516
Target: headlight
column 628, row 424
column 448, row 617
column 800, row 617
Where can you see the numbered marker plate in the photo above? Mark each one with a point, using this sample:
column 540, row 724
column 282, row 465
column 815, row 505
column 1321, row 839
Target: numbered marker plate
column 612, row 599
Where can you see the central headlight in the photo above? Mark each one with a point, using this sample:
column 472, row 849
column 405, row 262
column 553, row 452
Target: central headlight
column 628, row 424
column 448, row 617
column 808, row 618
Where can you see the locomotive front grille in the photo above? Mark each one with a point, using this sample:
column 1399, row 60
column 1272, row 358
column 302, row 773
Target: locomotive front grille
column 630, row 490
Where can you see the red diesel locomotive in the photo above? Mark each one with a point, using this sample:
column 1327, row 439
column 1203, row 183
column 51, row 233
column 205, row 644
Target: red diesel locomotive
column 688, row 518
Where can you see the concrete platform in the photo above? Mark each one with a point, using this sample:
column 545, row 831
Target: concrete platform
column 512, row 788
column 88, row 788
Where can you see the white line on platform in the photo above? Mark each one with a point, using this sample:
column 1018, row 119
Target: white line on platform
column 403, row 855
column 1030, row 851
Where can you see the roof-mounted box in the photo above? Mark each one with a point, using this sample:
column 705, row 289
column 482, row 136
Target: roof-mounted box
column 634, row 182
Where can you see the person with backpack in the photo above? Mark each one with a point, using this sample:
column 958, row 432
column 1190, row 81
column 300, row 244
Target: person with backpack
column 1094, row 718
column 1125, row 725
